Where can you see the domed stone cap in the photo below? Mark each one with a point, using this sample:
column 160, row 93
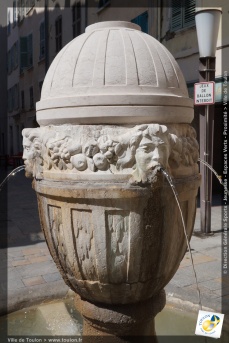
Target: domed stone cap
column 114, row 74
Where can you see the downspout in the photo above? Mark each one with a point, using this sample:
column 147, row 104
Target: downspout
column 159, row 20
column 86, row 12
column 46, row 36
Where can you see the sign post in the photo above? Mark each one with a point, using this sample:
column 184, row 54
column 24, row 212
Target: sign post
column 204, row 98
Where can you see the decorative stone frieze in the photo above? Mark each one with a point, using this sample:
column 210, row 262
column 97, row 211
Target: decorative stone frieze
column 110, row 150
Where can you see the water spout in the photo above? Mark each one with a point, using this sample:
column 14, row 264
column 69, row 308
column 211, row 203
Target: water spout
column 12, row 173
column 170, row 181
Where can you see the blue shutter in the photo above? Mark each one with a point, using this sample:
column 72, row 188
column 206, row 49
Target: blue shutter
column 176, row 10
column 142, row 21
column 189, row 9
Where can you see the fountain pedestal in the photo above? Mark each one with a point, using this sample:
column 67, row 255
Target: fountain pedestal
column 114, row 110
column 121, row 323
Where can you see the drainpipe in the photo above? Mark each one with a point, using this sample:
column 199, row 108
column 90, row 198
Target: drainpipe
column 159, row 20
column 46, row 37
column 86, row 12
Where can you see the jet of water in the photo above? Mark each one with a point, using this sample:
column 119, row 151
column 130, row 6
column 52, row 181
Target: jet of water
column 170, row 181
column 12, row 173
column 213, row 170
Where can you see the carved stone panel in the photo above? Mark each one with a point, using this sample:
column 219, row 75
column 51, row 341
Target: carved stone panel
column 83, row 238
column 118, row 237
column 56, row 230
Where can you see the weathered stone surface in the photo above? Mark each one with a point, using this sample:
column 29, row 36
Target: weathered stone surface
column 120, row 243
column 114, row 74
column 120, row 323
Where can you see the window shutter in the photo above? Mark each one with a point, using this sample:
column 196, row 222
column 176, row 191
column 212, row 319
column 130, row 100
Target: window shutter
column 9, row 61
column 189, row 12
column 11, row 58
column 23, row 53
column 143, row 22
column 16, row 55
column 30, row 50
column 42, row 39
column 176, row 9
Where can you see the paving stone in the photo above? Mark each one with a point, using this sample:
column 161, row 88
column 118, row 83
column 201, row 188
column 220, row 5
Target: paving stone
column 15, row 285
column 15, row 253
column 38, row 259
column 212, row 285
column 32, row 281
column 20, row 263
column 30, row 251
column 46, row 267
column 52, row 277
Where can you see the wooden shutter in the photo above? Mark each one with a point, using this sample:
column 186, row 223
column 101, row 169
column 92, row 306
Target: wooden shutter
column 30, row 50
column 42, row 39
column 142, row 21
column 16, row 55
column 176, row 11
column 23, row 53
column 189, row 12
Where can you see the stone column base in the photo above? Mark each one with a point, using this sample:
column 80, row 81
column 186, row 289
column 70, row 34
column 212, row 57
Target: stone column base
column 120, row 323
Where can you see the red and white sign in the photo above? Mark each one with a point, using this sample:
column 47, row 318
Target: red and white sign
column 204, row 93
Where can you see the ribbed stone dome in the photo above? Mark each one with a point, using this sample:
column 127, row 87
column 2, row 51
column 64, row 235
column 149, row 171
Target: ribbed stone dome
column 114, row 74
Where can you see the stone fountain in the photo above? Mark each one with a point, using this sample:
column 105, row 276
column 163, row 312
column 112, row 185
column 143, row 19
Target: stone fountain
column 114, row 109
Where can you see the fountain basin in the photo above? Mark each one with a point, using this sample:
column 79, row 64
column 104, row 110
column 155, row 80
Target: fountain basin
column 173, row 324
column 116, row 243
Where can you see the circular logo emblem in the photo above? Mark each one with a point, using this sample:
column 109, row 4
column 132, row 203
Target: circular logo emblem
column 209, row 324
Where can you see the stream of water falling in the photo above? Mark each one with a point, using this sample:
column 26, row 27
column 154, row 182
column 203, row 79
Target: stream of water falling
column 213, row 171
column 170, row 181
column 11, row 174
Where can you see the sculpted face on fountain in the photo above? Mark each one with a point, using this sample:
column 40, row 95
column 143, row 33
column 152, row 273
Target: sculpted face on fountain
column 32, row 152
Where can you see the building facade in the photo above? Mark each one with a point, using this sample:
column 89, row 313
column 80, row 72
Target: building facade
column 172, row 22
column 36, row 31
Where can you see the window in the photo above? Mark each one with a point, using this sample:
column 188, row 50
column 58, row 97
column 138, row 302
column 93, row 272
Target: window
column 31, row 99
column 16, row 96
column 182, row 14
column 11, row 140
column 22, row 100
column 9, row 67
column 10, row 100
column 42, row 40
column 142, row 21
column 21, row 10
column 26, row 52
column 14, row 13
column 40, row 86
column 103, row 3
column 13, row 98
column 9, row 24
column 29, row 5
column 58, row 29
column 76, row 19
column 16, row 55
column 12, row 58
